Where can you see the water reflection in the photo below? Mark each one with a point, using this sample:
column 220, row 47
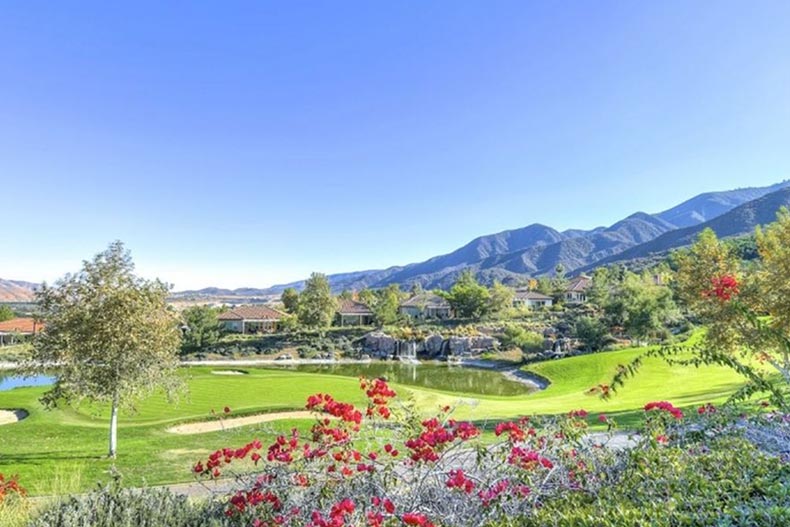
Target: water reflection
column 438, row 376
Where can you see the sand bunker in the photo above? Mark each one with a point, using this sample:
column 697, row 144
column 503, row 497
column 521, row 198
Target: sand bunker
column 235, row 422
column 229, row 372
column 8, row 417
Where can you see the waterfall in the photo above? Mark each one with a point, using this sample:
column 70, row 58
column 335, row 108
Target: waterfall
column 409, row 354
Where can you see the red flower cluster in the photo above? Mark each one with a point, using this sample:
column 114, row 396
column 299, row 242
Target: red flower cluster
column 225, row 456
column 528, row 459
column 376, row 517
column 283, row 448
column 516, row 431
column 252, row 498
column 493, row 493
column 668, row 407
column 580, row 414
column 436, row 436
column 723, row 287
column 379, row 393
column 706, row 409
column 458, row 480
column 337, row 515
column 323, row 402
column 10, row 485
column 416, row 518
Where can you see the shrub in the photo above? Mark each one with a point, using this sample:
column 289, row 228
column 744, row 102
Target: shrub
column 112, row 506
column 517, row 336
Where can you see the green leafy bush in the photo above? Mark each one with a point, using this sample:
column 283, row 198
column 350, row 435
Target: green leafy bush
column 517, row 336
column 112, row 506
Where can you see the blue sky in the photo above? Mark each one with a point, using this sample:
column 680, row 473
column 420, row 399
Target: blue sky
column 249, row 143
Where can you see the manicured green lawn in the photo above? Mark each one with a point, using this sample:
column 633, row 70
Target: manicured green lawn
column 62, row 450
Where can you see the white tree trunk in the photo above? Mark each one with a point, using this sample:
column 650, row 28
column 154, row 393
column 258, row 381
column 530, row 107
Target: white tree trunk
column 114, row 428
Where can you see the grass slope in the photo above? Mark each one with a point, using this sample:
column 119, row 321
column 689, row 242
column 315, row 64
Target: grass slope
column 61, row 450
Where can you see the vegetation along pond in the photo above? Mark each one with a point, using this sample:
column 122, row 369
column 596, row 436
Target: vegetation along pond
column 436, row 376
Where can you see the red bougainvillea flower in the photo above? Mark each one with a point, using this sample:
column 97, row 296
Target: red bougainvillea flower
column 665, row 406
column 416, row 518
column 528, row 459
column 723, row 287
column 602, row 418
column 662, row 439
column 458, row 480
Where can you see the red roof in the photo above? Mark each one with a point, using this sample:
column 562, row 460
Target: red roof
column 580, row 283
column 352, row 307
column 251, row 313
column 20, row 325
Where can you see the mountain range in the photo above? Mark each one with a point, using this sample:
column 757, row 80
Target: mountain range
column 537, row 250
column 16, row 291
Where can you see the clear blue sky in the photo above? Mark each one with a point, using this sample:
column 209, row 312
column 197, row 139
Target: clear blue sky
column 249, row 143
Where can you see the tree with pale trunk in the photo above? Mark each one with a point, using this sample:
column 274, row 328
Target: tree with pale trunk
column 110, row 336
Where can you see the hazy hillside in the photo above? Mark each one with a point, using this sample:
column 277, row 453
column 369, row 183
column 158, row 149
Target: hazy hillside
column 705, row 207
column 537, row 249
column 16, row 291
column 738, row 221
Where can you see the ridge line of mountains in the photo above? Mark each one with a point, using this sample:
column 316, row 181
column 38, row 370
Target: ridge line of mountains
column 535, row 250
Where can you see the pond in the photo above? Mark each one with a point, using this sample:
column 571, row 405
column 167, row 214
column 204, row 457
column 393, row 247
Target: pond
column 11, row 381
column 434, row 375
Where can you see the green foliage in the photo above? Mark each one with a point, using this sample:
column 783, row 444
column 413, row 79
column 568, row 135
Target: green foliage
column 501, row 298
column 517, row 336
column 467, row 297
column 316, row 303
column 290, row 300
column 386, row 306
column 111, row 333
column 113, row 506
column 592, row 331
column 203, row 328
column 726, row 481
column 6, row 313
column 640, row 306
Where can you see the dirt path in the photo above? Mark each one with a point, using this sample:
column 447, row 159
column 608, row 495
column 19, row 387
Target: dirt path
column 235, row 422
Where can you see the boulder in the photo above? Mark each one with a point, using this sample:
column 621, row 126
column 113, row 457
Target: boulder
column 433, row 344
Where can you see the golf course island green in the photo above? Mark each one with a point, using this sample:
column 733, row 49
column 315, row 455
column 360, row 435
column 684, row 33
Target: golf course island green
column 63, row 450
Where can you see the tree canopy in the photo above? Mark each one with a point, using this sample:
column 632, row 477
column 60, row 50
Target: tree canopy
column 316, row 303
column 467, row 297
column 111, row 333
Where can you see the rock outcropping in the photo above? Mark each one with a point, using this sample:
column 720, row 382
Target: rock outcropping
column 379, row 344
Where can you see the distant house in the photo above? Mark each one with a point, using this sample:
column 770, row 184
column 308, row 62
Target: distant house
column 12, row 330
column 353, row 313
column 426, row 306
column 251, row 319
column 576, row 292
column 531, row 299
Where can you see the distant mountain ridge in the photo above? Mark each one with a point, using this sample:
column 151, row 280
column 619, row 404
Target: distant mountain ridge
column 738, row 221
column 537, row 249
column 17, row 291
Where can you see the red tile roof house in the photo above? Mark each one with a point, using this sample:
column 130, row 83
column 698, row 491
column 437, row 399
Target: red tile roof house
column 576, row 293
column 531, row 299
column 353, row 313
column 11, row 330
column 426, row 306
column 250, row 319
